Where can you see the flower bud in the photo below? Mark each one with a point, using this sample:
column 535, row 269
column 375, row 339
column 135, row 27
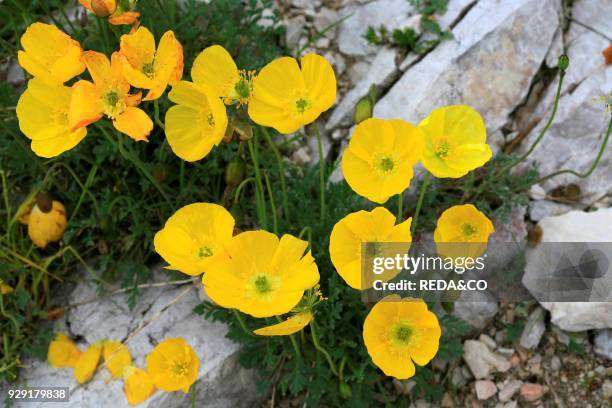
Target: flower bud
column 243, row 129
column 103, row 8
column 363, row 109
column 345, row 390
column 235, row 171
column 563, row 62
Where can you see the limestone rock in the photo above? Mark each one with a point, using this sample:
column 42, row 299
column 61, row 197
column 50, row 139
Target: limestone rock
column 483, row 361
column 485, row 389
column 603, row 343
column 534, row 329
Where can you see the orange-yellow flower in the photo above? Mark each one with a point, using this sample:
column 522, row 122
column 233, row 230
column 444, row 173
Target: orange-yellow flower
column 400, row 332
column 63, row 353
column 118, row 13
column 286, row 97
column 215, row 68
column 5, row 289
column 50, row 54
column 263, row 276
column 42, row 111
column 116, row 357
column 372, row 227
column 380, row 157
column 292, row 325
column 462, row 231
column 47, row 221
column 148, row 68
column 107, row 95
column 173, row 365
column 87, row 363
column 137, row 385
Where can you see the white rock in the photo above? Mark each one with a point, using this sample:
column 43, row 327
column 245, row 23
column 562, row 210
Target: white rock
column 483, row 361
column 483, row 338
column 606, row 389
column 541, row 209
column 485, row 389
column 358, row 71
column 497, row 49
column 581, row 227
column 323, row 19
column 507, row 391
column 603, row 343
column 380, row 73
column 476, row 308
column 534, row 329
column 221, row 382
column 390, row 13
column 293, row 30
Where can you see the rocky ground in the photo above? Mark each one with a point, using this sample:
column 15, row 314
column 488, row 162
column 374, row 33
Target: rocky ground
column 501, row 61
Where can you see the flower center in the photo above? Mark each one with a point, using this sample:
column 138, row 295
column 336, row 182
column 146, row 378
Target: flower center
column 442, row 149
column 149, row 69
column 468, row 229
column 111, row 98
column 401, row 334
column 180, row 369
column 262, row 285
column 205, row 252
column 386, row 164
column 302, row 105
column 210, row 119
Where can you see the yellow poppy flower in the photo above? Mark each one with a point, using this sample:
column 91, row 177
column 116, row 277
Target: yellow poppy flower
column 5, row 289
column 87, row 363
column 42, row 111
column 286, row 97
column 148, row 68
column 455, row 141
column 400, row 332
column 215, row 68
column 116, row 357
column 47, row 221
column 137, row 385
column 197, row 123
column 63, row 353
column 116, row 12
column 380, row 157
column 194, row 237
column 107, row 95
column 462, row 231
column 348, row 235
column 49, row 54
column 173, row 365
column 292, row 325
column 263, row 276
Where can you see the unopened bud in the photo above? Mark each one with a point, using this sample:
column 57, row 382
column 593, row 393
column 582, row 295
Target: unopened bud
column 563, row 62
column 363, row 109
column 235, row 171
column 103, row 8
column 345, row 390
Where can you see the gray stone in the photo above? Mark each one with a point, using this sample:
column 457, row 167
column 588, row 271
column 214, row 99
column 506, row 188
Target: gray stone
column 380, row 73
column 476, row 308
column 575, row 226
column 485, row 389
column 507, row 390
column 606, row 389
column 323, row 19
column 483, row 361
column 603, row 343
column 162, row 312
column 534, row 329
column 497, row 49
column 293, row 31
column 357, row 71
column 488, row 341
column 390, row 13
column 555, row 363
column 538, row 210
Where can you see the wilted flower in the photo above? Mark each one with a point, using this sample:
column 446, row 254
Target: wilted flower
column 400, row 332
column 137, row 385
column 107, row 95
column 263, row 276
column 292, row 325
column 462, row 231
column 148, row 68
column 47, row 221
column 380, row 157
column 348, row 235
column 194, row 237
column 116, row 357
column 49, row 54
column 63, row 353
column 42, row 111
column 455, row 141
column 173, row 365
column 286, row 97
column 87, row 363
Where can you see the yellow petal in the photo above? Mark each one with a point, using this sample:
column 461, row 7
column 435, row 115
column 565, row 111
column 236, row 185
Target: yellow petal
column 116, row 357
column 126, row 17
column 85, row 105
column 87, row 363
column 135, row 123
column 137, row 50
column 320, row 80
column 215, row 68
column 292, row 325
column 167, row 67
column 63, row 353
column 98, row 66
column 137, row 385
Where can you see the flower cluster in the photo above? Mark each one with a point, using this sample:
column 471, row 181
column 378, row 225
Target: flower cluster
column 171, row 366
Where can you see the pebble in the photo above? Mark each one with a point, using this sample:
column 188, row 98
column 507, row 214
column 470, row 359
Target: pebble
column 606, row 389
column 490, row 343
column 534, row 329
column 532, row 392
column 483, row 361
column 485, row 389
column 508, row 390
column 555, row 363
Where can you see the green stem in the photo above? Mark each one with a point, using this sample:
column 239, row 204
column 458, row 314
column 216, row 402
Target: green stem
column 240, row 187
column 281, row 170
column 400, row 204
column 591, row 169
column 102, row 28
column 321, row 172
column 272, row 203
column 242, row 323
column 156, row 115
column 544, row 129
column 417, row 211
column 308, row 231
column 315, row 340
column 259, row 190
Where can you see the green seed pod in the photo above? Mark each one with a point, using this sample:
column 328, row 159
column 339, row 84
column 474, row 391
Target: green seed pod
column 563, row 62
column 345, row 390
column 363, row 109
column 235, row 171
